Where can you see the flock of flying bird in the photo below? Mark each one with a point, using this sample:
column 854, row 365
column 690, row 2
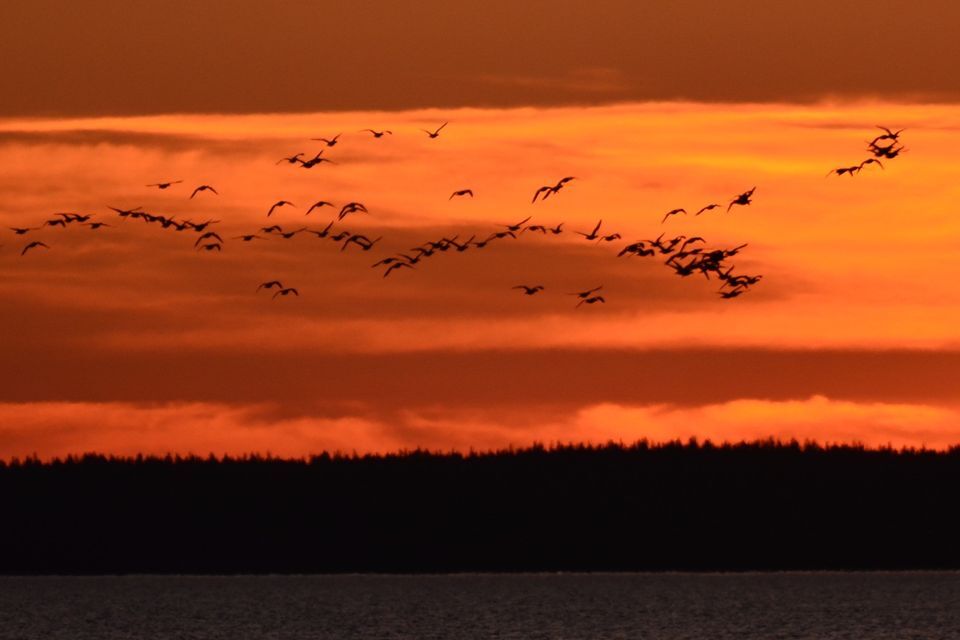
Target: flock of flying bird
column 887, row 146
column 685, row 255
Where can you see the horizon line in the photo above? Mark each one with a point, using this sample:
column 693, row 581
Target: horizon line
column 642, row 444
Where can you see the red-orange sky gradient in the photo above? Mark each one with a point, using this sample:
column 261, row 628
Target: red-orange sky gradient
column 126, row 340
column 242, row 56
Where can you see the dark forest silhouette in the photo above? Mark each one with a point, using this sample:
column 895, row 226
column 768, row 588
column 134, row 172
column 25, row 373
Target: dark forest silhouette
column 683, row 506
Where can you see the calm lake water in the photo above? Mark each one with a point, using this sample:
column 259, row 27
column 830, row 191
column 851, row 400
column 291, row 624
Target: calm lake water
column 862, row 606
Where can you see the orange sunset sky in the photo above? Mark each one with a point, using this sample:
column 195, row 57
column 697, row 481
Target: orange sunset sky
column 126, row 340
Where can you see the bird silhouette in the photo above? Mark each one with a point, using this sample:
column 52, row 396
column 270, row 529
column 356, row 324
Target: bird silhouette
column 529, row 290
column 658, row 243
column 586, row 294
column 709, row 207
column 500, row 235
column 23, row 230
column 286, row 292
column 671, row 244
column 434, row 134
column 673, row 212
column 207, row 236
column 210, row 246
column 592, row 300
column 128, row 213
column 321, row 234
column 56, row 222
column 388, row 261
column 33, row 245
column 164, row 185
column 314, row 161
column 318, row 204
column 850, row 171
column 466, row 244
column 330, row 142
column 733, row 293
column 544, row 189
column 461, row 192
column 74, row 217
column 203, row 187
column 446, row 244
column 637, row 248
column 248, row 237
column 201, row 227
column 271, row 229
column 351, row 207
column 730, row 280
column 96, row 225
column 727, row 253
column 380, row 134
column 683, row 253
column 535, row 227
column 516, row 227
column 395, row 266
column 682, row 270
column 291, row 159
column 270, row 285
column 277, row 204
column 889, row 152
column 855, row 169
column 544, row 192
column 593, row 234
column 442, row 244
column 743, row 199
column 888, row 135
column 751, row 280
column 690, row 241
column 150, row 218
column 609, row 238
column 286, row 235
column 361, row 241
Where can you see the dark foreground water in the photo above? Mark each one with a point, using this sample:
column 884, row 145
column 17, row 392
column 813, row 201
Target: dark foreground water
column 863, row 606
